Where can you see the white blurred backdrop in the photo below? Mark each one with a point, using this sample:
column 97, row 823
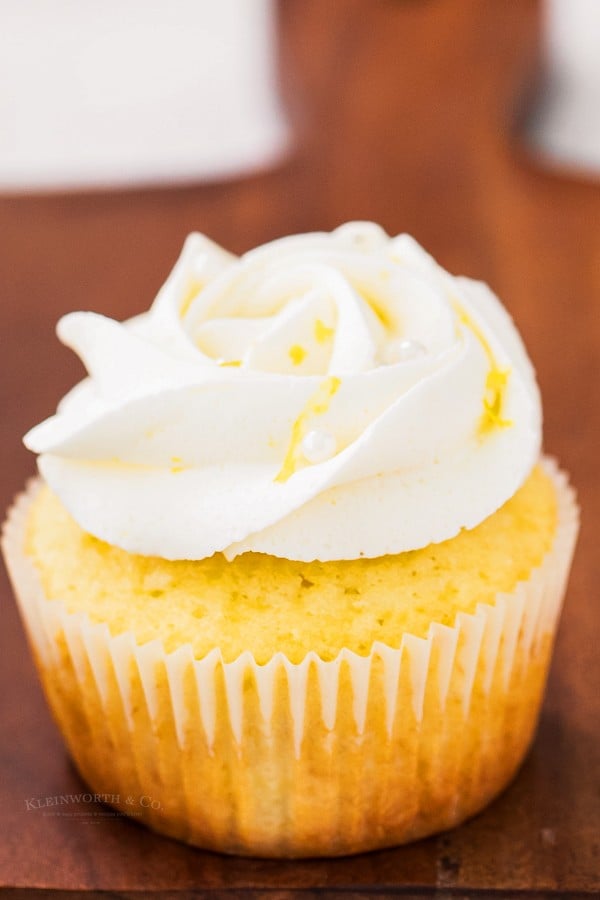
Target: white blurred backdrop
column 566, row 128
column 122, row 92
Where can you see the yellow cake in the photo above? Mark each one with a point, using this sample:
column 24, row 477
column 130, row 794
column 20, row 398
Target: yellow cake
column 266, row 604
column 293, row 578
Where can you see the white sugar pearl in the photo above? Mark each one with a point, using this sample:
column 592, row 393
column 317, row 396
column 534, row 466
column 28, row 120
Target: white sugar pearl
column 402, row 351
column 317, row 446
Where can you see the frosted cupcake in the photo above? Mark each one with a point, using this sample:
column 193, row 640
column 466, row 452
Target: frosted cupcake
column 294, row 565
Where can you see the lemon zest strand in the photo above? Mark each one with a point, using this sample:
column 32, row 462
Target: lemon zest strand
column 316, row 405
column 496, row 379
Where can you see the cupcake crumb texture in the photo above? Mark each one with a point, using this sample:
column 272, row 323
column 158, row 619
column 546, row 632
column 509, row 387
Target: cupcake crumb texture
column 268, row 604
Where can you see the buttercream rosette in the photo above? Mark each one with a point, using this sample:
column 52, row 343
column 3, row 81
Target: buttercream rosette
column 265, row 402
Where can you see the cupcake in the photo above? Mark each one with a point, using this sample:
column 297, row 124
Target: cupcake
column 293, row 566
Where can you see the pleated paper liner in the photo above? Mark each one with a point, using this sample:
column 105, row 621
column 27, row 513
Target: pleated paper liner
column 301, row 759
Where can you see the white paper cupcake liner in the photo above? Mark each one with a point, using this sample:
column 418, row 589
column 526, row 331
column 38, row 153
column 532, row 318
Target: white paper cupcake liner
column 418, row 721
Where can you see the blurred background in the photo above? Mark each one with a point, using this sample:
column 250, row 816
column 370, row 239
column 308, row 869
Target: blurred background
column 472, row 124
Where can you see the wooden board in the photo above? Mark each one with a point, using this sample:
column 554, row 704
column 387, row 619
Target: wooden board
column 406, row 113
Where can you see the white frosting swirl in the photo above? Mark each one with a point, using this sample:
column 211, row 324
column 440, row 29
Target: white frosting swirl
column 325, row 396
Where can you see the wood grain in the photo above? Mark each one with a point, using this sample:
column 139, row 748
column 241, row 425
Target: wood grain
column 406, row 113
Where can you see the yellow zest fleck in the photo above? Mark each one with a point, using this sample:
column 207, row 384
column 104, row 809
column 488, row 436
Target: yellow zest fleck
column 495, row 392
column 316, row 406
column 193, row 289
column 322, row 332
column 495, row 382
column 176, row 464
column 297, row 354
column 379, row 310
column 230, row 362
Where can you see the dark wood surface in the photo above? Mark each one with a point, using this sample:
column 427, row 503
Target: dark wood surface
column 406, row 113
